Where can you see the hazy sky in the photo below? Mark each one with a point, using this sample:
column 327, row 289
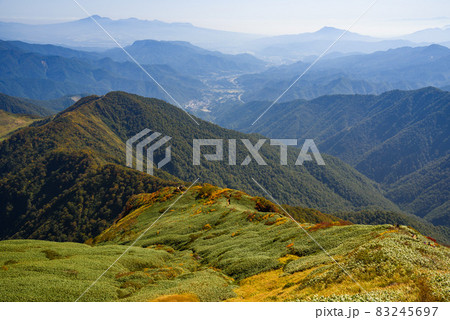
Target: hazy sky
column 386, row 18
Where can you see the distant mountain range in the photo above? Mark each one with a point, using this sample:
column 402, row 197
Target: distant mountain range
column 400, row 139
column 46, row 72
column 85, row 33
column 403, row 68
column 187, row 58
column 36, row 72
column 300, row 46
column 433, row 35
column 207, row 79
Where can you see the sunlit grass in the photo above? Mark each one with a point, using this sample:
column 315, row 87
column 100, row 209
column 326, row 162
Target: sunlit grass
column 215, row 245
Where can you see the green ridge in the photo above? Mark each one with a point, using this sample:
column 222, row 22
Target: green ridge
column 220, row 244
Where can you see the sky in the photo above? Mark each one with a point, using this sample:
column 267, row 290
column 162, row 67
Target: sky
column 387, row 18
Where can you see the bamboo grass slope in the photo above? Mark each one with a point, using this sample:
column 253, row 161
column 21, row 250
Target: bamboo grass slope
column 10, row 122
column 219, row 244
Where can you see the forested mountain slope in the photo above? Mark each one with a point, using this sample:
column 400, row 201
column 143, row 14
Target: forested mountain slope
column 53, row 168
column 389, row 138
column 16, row 105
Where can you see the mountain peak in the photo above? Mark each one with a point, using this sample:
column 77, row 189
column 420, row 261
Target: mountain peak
column 327, row 29
column 96, row 17
column 332, row 32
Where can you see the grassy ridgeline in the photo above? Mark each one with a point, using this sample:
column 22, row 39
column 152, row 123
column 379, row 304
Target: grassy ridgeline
column 221, row 244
